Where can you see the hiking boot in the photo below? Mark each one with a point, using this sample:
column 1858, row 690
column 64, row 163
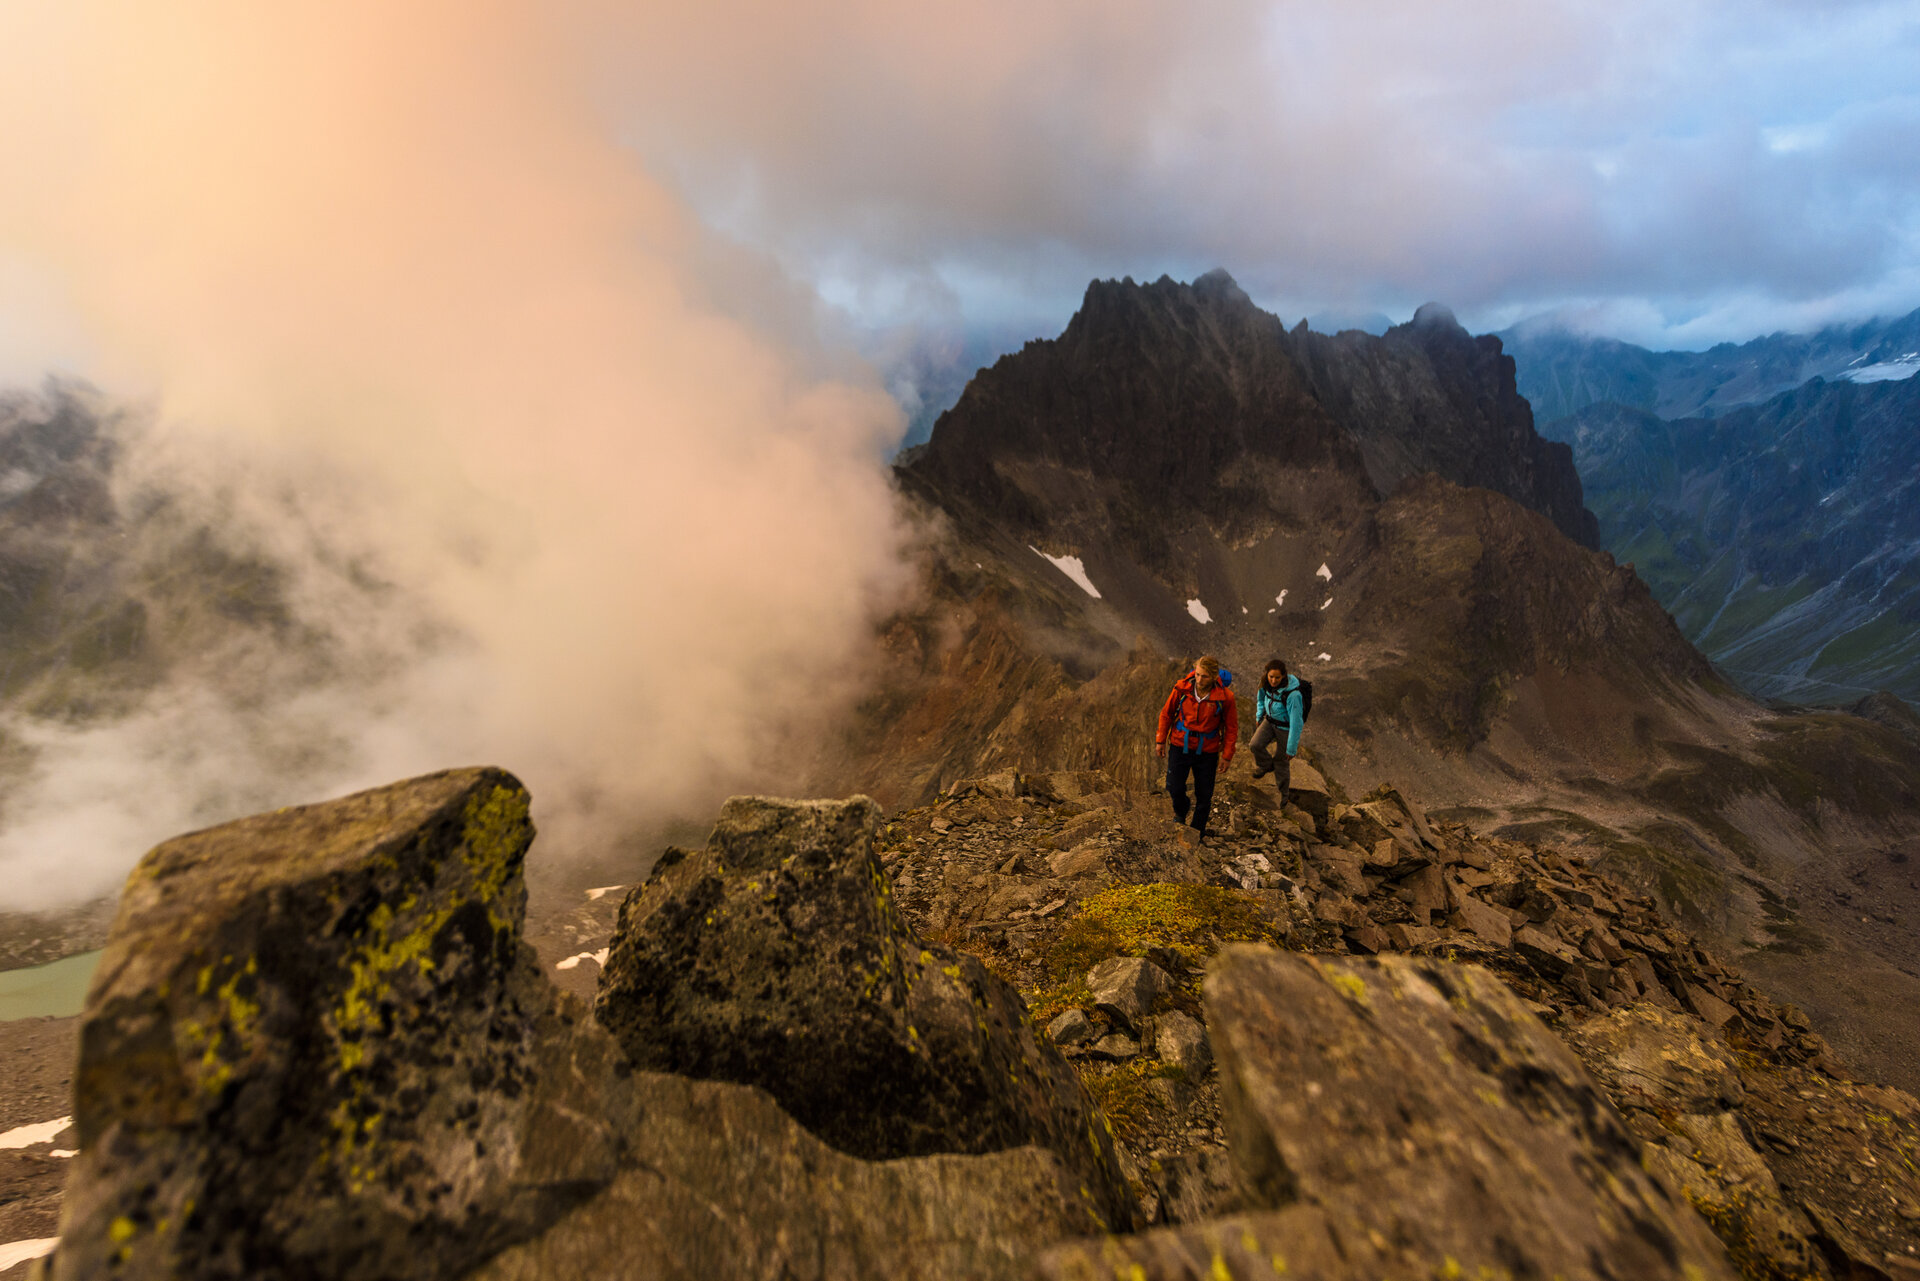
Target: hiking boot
column 1261, row 771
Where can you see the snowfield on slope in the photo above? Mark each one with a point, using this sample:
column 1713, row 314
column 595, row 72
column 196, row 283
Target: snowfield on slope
column 1072, row 567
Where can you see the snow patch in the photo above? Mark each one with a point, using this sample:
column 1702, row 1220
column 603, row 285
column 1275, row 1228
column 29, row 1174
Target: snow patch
column 1325, row 657
column 1328, row 601
column 1281, row 599
column 1199, row 611
column 603, row 891
column 26, row 1136
column 1886, row 371
column 1072, row 567
column 1323, row 572
column 1243, row 609
column 598, row 958
column 13, row 1253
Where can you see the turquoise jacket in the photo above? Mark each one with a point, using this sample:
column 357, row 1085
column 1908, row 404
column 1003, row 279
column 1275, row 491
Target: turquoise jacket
column 1282, row 707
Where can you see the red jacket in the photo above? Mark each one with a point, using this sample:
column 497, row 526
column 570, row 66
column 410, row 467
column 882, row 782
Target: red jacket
column 1210, row 724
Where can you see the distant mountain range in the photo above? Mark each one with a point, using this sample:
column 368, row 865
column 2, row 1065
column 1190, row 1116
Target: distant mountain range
column 1561, row 373
column 1766, row 492
column 1784, row 537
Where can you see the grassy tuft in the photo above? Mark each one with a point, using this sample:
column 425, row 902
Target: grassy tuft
column 1127, row 920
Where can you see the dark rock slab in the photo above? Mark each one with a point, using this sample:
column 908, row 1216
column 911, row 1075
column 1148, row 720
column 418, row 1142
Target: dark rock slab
column 720, row 1183
column 1435, row 1123
column 1127, row 988
column 312, row 1049
column 775, row 957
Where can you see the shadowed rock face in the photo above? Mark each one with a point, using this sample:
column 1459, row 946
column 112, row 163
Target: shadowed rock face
column 775, row 957
column 1163, row 401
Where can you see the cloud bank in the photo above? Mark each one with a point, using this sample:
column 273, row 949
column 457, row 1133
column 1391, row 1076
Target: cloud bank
column 1689, row 171
column 417, row 326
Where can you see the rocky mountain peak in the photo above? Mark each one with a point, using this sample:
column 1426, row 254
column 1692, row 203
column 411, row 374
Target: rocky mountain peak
column 1434, row 315
column 1166, row 405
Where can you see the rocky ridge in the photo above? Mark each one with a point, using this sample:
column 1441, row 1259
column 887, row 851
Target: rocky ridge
column 1166, row 398
column 1083, row 535
column 1207, row 994
column 1799, row 1169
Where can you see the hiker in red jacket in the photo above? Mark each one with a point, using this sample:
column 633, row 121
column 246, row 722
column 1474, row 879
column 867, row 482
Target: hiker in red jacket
column 1198, row 728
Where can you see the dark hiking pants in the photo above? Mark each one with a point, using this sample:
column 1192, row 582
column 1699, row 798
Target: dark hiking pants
column 1202, row 765
column 1266, row 745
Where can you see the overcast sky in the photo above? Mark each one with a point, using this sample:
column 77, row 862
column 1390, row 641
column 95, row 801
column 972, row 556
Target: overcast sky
column 1668, row 171
column 1672, row 172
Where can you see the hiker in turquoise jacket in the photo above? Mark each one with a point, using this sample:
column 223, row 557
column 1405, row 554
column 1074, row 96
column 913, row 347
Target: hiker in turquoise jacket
column 1276, row 711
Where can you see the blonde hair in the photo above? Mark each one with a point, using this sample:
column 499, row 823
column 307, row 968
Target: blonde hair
column 1209, row 664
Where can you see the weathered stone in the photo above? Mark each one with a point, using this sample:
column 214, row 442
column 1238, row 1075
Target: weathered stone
column 1417, row 817
column 1658, row 1059
column 1709, row 1007
column 1072, row 1028
column 1085, row 859
column 1181, row 1041
column 1004, row 785
column 1076, row 831
column 718, row 1182
column 1115, row 1047
column 1127, row 987
column 1434, row 1122
column 1547, row 954
column 1405, row 938
column 1367, row 938
column 1488, row 922
column 775, row 957
column 314, row 1047
column 1337, row 909
column 1341, row 868
column 1358, row 826
column 1194, row 1185
column 1425, row 891
column 1307, row 792
column 1065, row 785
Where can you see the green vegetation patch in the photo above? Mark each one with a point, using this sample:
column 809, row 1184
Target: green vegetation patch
column 1128, row 920
column 1881, row 644
column 1125, row 1094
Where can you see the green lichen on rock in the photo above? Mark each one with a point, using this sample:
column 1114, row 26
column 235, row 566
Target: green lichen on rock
column 342, row 985
column 226, row 1032
column 498, row 831
column 1129, row 920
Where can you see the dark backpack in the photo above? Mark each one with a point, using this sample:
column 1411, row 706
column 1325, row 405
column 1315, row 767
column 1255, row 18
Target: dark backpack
column 1306, row 699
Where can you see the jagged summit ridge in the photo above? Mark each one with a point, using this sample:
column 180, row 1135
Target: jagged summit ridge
column 1169, row 395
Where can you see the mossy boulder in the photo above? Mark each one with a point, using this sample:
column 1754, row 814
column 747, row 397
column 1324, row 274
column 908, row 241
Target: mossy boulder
column 312, row 1045
column 775, row 957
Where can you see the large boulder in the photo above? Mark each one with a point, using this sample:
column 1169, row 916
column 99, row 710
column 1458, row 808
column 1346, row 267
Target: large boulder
column 775, row 957
column 311, row 1049
column 317, row 1047
column 1417, row 1115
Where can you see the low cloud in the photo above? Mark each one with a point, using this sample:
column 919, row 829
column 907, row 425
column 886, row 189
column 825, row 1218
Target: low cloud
column 557, row 482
